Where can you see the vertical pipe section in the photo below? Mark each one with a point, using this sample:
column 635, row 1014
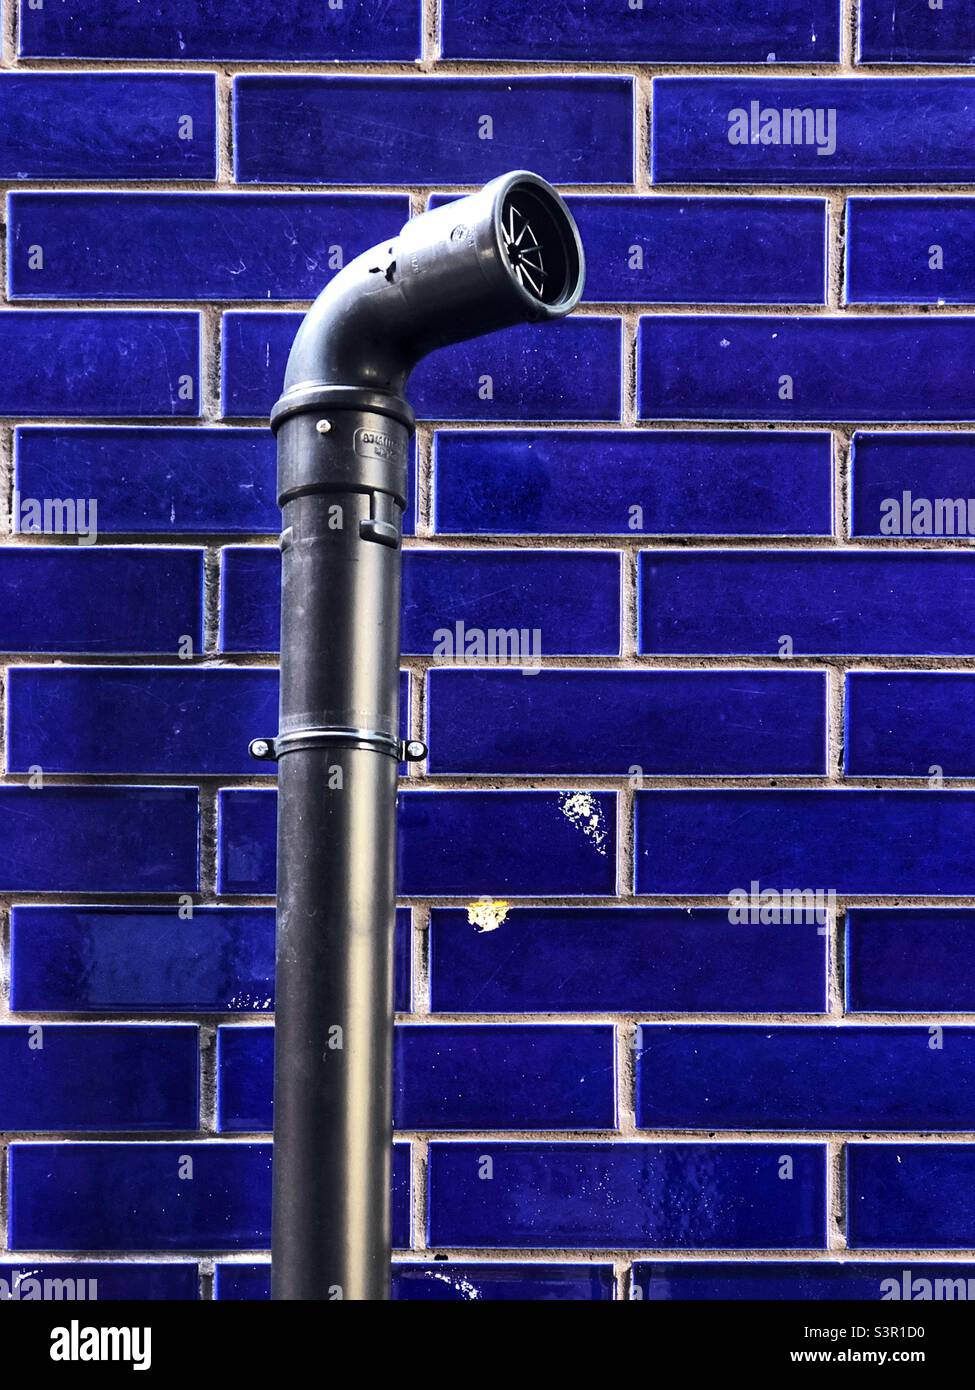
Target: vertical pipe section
column 507, row 254
column 342, row 489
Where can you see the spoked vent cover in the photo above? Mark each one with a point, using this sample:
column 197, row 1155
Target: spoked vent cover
column 538, row 246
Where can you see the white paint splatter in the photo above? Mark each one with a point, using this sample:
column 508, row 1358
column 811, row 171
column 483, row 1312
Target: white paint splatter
column 244, row 1002
column 585, row 812
column 462, row 1286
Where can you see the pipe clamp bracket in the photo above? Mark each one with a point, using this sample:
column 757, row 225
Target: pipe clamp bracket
column 271, row 749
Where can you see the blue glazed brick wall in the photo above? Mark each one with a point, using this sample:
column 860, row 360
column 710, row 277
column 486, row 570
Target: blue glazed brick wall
column 731, row 504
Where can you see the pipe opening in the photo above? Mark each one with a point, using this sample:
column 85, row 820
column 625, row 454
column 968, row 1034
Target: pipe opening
column 539, row 245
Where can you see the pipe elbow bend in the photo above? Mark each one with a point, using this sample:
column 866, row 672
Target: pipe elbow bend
column 509, row 253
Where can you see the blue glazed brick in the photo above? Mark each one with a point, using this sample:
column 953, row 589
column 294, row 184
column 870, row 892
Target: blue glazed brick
column 190, row 245
column 825, row 602
column 935, row 472
column 812, row 1280
column 451, row 1282
column 187, row 30
column 627, row 1196
column 732, row 31
column 904, row 1195
column 450, row 130
column 910, row 251
column 250, row 599
column 116, row 1196
column 516, row 843
column 61, row 839
column 910, row 724
column 101, row 1280
column 141, row 959
column 246, row 853
column 565, row 371
column 915, row 960
column 865, row 842
column 241, row 1282
column 155, row 479
column 699, row 250
column 848, row 130
column 158, row 478
column 505, row 1076
column 760, row 368
column 453, row 1076
column 87, row 125
column 254, row 355
column 913, row 31
column 155, row 960
column 245, row 1079
column 568, row 602
column 64, row 1076
column 130, row 1197
column 622, row 959
column 703, row 250
column 757, row 1076
column 106, row 362
column 589, row 482
column 100, row 600
column 96, row 719
column 699, row 723
column 139, row 1196
column 403, row 961
column 571, row 600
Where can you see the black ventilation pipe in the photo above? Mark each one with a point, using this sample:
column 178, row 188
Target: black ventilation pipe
column 507, row 254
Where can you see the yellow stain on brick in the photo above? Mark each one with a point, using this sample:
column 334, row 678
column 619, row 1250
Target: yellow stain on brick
column 487, row 914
